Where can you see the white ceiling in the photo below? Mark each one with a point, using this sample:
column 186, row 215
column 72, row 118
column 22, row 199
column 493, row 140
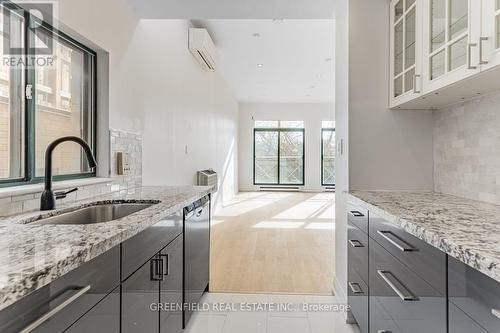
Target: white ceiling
column 297, row 58
column 234, row 9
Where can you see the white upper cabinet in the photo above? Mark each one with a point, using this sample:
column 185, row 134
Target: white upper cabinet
column 406, row 66
column 451, row 33
column 443, row 51
column 489, row 43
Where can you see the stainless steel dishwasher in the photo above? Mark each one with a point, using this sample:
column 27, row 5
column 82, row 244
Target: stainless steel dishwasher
column 196, row 253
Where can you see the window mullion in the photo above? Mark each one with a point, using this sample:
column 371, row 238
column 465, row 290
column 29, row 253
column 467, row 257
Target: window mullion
column 29, row 105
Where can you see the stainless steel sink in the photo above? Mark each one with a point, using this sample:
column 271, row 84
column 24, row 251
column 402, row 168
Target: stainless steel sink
column 96, row 214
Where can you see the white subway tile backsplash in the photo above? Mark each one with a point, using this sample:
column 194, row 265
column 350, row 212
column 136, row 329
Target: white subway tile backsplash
column 120, row 141
column 467, row 149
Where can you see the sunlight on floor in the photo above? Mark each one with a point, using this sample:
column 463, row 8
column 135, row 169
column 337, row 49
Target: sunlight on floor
column 274, row 242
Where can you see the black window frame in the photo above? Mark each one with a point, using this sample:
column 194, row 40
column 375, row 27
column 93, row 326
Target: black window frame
column 323, row 130
column 30, row 104
column 279, row 131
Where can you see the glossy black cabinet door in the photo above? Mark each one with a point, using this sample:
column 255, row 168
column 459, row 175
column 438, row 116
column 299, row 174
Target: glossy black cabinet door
column 171, row 287
column 58, row 305
column 460, row 322
column 475, row 294
column 357, row 289
column 102, row 318
column 410, row 303
column 140, row 299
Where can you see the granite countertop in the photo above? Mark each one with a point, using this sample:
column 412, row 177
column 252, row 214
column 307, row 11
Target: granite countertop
column 32, row 256
column 465, row 229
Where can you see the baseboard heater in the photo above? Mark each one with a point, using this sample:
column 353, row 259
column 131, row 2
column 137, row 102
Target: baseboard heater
column 283, row 189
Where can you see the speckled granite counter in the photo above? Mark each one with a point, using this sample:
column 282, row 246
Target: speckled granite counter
column 32, row 256
column 465, row 229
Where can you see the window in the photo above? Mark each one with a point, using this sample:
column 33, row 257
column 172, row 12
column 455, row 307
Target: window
column 62, row 103
column 279, row 153
column 328, row 153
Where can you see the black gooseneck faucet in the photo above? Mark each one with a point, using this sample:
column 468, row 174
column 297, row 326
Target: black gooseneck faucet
column 48, row 200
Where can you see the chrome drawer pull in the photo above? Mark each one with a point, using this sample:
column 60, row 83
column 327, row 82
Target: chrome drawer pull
column 496, row 313
column 396, row 241
column 355, row 288
column 383, row 331
column 355, row 213
column 355, row 243
column 397, row 286
column 80, row 292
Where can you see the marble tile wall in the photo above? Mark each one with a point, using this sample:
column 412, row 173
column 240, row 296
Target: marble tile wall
column 120, row 141
column 467, row 149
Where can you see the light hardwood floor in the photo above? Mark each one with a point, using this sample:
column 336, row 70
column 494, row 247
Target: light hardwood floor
column 265, row 242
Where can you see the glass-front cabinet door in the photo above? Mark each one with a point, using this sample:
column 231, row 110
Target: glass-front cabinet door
column 451, row 41
column 489, row 42
column 405, row 51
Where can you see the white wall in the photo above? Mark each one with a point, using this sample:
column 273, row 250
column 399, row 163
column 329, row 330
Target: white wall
column 341, row 131
column 388, row 150
column 184, row 107
column 311, row 114
column 111, row 24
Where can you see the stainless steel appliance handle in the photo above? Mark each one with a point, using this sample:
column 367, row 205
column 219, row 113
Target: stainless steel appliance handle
column 469, row 56
column 79, row 293
column 355, row 243
column 355, row 288
column 355, row 213
column 397, row 286
column 396, row 241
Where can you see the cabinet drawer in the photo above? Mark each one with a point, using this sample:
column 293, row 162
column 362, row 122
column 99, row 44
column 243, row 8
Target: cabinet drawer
column 59, row 304
column 357, row 294
column 358, row 216
column 412, row 304
column 475, row 294
column 140, row 248
column 104, row 317
column 357, row 252
column 425, row 260
column 460, row 322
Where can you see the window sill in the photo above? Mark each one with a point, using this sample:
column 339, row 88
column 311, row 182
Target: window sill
column 57, row 185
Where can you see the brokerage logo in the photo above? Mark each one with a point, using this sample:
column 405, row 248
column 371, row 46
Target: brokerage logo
column 28, row 37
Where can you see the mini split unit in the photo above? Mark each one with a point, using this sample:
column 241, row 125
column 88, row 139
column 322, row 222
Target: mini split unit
column 203, row 48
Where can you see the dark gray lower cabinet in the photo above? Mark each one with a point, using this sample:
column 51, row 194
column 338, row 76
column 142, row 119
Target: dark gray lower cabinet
column 357, row 292
column 104, row 317
column 459, row 322
column 58, row 305
column 140, row 292
column 409, row 303
column 151, row 296
column 475, row 294
column 171, row 287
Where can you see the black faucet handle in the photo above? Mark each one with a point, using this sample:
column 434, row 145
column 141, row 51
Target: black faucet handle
column 63, row 194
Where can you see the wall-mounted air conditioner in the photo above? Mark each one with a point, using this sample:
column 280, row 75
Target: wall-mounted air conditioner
column 203, row 48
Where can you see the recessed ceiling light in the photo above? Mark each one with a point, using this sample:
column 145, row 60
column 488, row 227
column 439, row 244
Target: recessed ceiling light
column 260, row 65
column 256, row 35
column 328, row 59
column 278, row 20
column 312, row 87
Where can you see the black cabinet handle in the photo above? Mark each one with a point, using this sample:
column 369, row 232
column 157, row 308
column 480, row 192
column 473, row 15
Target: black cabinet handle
column 355, row 288
column 165, row 263
column 355, row 243
column 356, row 213
column 156, row 267
column 396, row 241
column 397, row 286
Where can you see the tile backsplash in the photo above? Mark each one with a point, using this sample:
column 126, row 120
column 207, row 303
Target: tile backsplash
column 120, row 141
column 467, row 149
